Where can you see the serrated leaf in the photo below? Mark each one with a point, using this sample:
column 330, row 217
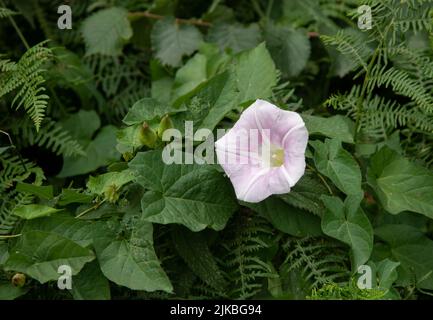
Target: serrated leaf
column 106, row 31
column 196, row 196
column 33, row 211
column 39, row 255
column 289, row 48
column 400, row 184
column 338, row 165
column 43, row 192
column 131, row 261
column 255, row 73
column 69, row 196
column 349, row 224
column 235, row 36
column 171, row 41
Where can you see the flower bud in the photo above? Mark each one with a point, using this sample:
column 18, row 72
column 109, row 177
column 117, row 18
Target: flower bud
column 148, row 137
column 165, row 124
column 19, row 280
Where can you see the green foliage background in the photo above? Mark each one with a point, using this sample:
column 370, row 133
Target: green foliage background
column 82, row 182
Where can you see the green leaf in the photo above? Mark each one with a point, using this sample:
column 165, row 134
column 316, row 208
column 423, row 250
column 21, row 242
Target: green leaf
column 42, row 192
column 33, row 211
column 10, row 292
column 69, row 196
column 131, row 261
column 90, row 284
column 338, row 165
column 68, row 227
column 338, row 127
column 193, row 73
column 412, row 249
column 211, row 102
column 39, row 255
column 171, row 41
column 289, row 48
column 82, row 125
column 306, row 194
column 235, row 36
column 387, row 273
column 348, row 223
column 400, row 184
column 193, row 249
column 286, row 218
column 106, row 31
column 100, row 184
column 196, row 196
column 99, row 152
column 148, row 109
column 256, row 74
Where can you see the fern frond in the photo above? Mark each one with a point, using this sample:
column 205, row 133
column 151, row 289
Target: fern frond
column 402, row 83
column 26, row 76
column 352, row 45
column 318, row 261
column 245, row 270
column 51, row 136
column 5, row 13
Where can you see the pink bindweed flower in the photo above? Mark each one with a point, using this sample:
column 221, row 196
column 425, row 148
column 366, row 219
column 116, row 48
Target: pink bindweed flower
column 264, row 152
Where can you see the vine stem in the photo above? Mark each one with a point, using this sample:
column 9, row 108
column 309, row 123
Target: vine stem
column 11, row 236
column 96, row 206
column 321, row 178
column 17, row 29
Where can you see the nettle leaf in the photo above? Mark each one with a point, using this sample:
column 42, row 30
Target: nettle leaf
column 235, row 36
column 338, row 165
column 39, row 254
column 196, row 196
column 286, row 218
column 106, row 31
column 32, row 211
column 338, row 127
column 289, row 48
column 131, row 261
column 412, row 249
column 171, row 41
column 400, row 184
column 348, row 223
column 100, row 184
column 148, row 109
column 90, row 284
column 255, row 73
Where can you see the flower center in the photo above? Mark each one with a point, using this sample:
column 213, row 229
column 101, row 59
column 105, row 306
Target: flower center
column 277, row 157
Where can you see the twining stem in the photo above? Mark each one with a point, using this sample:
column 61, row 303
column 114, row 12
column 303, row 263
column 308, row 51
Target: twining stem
column 96, row 206
column 321, row 178
column 17, row 29
column 147, row 14
column 11, row 236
